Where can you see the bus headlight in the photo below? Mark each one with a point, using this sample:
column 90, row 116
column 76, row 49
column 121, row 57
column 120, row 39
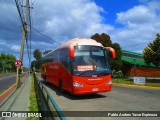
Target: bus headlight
column 75, row 84
column 109, row 83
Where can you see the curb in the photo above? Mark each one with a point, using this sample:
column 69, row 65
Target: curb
column 12, row 92
column 136, row 86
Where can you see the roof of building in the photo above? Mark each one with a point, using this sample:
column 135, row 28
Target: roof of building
column 133, row 53
column 135, row 58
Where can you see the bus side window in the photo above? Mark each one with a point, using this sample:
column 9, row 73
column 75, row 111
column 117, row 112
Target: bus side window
column 63, row 54
column 55, row 55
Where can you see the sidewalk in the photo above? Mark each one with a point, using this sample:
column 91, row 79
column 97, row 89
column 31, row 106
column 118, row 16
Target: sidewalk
column 19, row 100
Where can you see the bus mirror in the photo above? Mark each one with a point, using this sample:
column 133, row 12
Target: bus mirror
column 112, row 51
column 71, row 52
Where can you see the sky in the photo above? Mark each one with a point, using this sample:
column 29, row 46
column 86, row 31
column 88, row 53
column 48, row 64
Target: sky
column 131, row 23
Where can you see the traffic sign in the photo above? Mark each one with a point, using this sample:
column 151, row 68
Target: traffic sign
column 18, row 63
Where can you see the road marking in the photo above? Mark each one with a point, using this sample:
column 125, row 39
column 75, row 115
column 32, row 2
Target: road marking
column 11, row 87
column 7, row 77
column 138, row 86
column 8, row 89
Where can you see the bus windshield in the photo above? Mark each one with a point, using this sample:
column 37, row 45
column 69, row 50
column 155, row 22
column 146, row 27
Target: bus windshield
column 90, row 61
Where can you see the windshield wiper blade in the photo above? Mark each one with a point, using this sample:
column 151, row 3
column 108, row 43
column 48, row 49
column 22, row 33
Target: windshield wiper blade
column 102, row 73
column 84, row 72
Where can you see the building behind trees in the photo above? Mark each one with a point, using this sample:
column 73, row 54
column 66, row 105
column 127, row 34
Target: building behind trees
column 134, row 65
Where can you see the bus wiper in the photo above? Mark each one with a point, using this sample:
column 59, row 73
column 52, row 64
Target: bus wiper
column 102, row 73
column 85, row 72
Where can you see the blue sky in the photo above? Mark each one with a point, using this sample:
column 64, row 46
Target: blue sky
column 131, row 23
column 111, row 7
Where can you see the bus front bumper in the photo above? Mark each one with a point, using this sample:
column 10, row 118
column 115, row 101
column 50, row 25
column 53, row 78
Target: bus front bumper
column 91, row 89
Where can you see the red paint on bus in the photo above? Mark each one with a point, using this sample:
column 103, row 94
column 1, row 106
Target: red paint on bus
column 79, row 66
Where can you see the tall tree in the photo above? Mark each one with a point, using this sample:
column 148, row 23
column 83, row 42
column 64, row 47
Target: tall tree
column 116, row 63
column 7, row 62
column 151, row 54
column 105, row 40
column 37, row 54
column 37, row 63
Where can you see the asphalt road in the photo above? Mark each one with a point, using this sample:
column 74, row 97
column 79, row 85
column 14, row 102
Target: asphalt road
column 121, row 98
column 7, row 81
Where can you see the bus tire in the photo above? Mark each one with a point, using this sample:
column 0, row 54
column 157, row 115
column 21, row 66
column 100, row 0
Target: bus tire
column 61, row 86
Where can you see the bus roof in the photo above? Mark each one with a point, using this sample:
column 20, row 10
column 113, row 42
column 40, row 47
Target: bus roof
column 80, row 41
column 76, row 42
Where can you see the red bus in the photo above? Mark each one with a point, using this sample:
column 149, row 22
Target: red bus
column 79, row 66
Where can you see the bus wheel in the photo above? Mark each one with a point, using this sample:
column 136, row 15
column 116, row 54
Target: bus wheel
column 61, row 86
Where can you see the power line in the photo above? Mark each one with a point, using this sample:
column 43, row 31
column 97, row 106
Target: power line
column 46, row 36
column 30, row 37
column 33, row 2
column 21, row 18
column 24, row 21
column 27, row 21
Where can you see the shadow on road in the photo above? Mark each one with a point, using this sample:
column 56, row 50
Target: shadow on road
column 70, row 96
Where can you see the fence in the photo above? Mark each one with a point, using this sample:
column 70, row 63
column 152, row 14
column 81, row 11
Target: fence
column 46, row 103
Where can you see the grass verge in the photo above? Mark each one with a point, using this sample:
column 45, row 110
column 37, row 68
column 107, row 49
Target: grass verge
column 130, row 82
column 33, row 106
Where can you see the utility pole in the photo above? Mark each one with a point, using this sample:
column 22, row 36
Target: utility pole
column 24, row 34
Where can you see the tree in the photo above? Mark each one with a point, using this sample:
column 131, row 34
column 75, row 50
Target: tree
column 7, row 62
column 151, row 54
column 37, row 63
column 37, row 54
column 105, row 40
column 116, row 64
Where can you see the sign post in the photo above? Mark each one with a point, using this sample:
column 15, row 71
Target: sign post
column 18, row 64
column 139, row 80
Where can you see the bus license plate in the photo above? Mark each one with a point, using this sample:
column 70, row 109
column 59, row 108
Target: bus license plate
column 94, row 89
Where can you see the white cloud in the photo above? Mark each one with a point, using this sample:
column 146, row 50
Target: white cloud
column 81, row 18
column 60, row 20
column 68, row 19
column 65, row 19
column 16, row 48
column 136, row 15
column 141, row 24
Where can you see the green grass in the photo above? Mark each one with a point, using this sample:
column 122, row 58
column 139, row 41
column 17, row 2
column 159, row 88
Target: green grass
column 33, row 106
column 1, row 73
column 130, row 81
column 122, row 80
